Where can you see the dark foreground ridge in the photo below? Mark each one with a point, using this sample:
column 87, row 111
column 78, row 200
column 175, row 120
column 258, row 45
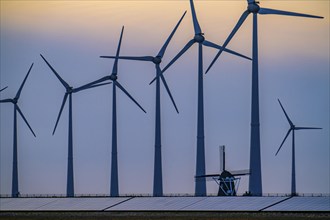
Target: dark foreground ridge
column 161, row 215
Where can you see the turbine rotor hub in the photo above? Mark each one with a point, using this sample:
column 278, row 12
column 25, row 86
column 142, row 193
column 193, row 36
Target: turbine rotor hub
column 113, row 77
column 253, row 7
column 157, row 60
column 69, row 90
column 14, row 101
column 199, row 38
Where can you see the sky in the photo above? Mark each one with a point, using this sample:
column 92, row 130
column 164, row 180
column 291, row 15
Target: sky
column 293, row 66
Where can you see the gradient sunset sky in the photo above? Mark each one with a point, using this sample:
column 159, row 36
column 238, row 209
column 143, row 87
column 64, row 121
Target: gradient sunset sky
column 293, row 66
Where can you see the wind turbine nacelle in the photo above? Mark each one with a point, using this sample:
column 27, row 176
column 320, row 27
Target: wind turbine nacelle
column 113, row 77
column 199, row 38
column 157, row 60
column 253, row 7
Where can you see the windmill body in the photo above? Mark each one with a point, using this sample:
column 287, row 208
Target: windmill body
column 68, row 94
column 15, row 186
column 157, row 60
column 255, row 183
column 292, row 129
column 228, row 181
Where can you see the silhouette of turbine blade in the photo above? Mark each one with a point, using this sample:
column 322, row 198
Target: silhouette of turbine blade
column 286, row 115
column 26, row 122
column 60, row 112
column 66, row 85
column 115, row 65
column 143, row 58
column 163, row 49
column 185, row 48
column 240, row 172
column 231, row 35
column 213, row 45
column 286, row 136
column 21, row 87
column 305, row 128
column 3, row 89
column 6, row 100
column 208, row 175
column 89, row 87
column 197, row 28
column 129, row 96
column 265, row 11
column 166, row 87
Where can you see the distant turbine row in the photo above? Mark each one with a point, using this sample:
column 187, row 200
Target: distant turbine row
column 255, row 184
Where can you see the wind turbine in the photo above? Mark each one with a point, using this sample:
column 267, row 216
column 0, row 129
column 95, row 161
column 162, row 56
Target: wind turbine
column 14, row 190
column 156, row 60
column 114, row 191
column 3, row 89
column 200, row 184
column 69, row 91
column 292, row 128
column 255, row 184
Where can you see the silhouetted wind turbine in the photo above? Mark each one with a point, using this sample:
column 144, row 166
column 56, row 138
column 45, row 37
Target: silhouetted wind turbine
column 14, row 190
column 200, row 185
column 114, row 191
column 158, row 177
column 69, row 91
column 3, row 89
column 292, row 128
column 255, row 184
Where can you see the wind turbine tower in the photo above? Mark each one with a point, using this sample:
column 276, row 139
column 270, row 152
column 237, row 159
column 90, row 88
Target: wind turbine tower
column 15, row 186
column 69, row 91
column 157, row 60
column 114, row 186
column 200, row 184
column 255, row 183
column 292, row 129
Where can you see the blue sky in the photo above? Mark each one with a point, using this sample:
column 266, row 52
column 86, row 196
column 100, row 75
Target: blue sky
column 293, row 66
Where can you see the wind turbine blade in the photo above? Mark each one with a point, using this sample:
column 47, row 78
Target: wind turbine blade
column 129, row 96
column 231, row 35
column 213, row 45
column 3, row 89
column 305, row 128
column 6, row 100
column 265, row 11
column 115, row 65
column 286, row 115
column 89, row 87
column 286, row 136
column 26, row 122
column 144, row 58
column 86, row 86
column 166, row 87
column 184, row 49
column 163, row 49
column 21, row 87
column 208, row 175
column 197, row 28
column 240, row 172
column 56, row 74
column 60, row 112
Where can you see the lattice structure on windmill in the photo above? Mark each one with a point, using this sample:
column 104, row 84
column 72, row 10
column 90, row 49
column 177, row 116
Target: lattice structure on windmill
column 228, row 181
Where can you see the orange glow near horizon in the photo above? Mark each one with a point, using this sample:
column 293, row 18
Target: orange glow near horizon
column 151, row 21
